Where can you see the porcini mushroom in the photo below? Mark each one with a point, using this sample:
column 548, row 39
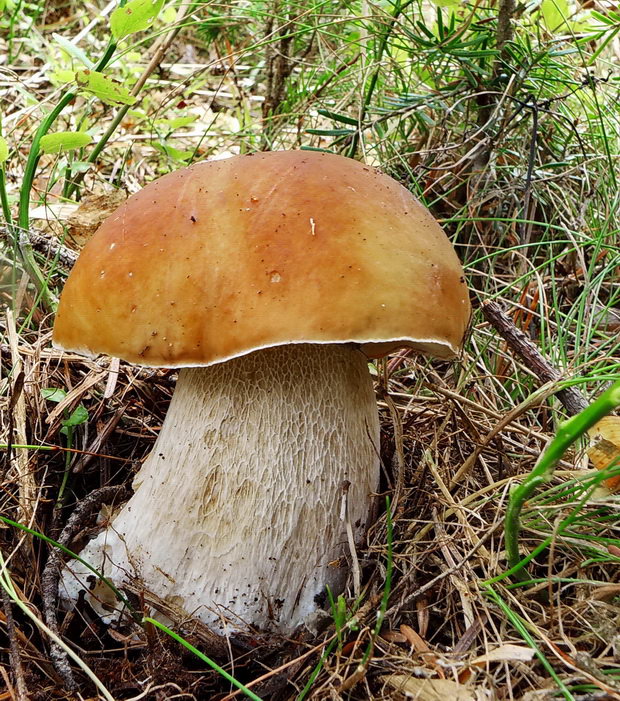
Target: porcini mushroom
column 269, row 279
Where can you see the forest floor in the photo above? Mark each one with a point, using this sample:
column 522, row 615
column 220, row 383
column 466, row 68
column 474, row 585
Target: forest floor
column 509, row 131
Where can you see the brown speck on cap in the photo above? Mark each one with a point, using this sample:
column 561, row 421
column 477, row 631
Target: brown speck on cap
column 376, row 247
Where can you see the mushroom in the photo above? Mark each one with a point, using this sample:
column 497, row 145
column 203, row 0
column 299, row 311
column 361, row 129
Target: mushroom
column 269, row 280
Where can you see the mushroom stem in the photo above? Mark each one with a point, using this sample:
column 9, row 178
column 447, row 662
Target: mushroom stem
column 237, row 511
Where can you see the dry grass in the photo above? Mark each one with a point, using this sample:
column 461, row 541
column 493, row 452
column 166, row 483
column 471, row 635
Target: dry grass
column 447, row 539
column 455, row 436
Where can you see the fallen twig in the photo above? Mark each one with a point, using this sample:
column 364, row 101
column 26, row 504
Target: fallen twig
column 50, row 247
column 14, row 654
column 51, row 573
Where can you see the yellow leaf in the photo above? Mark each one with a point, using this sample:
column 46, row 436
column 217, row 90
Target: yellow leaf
column 431, row 689
column 605, row 448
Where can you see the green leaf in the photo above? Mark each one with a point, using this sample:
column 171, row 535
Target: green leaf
column 318, row 149
column 80, row 167
column 135, row 16
column 62, row 76
column 73, row 51
column 4, row 150
column 554, row 13
column 53, row 394
column 568, row 51
column 78, row 416
column 178, row 121
column 172, row 152
column 343, row 118
column 108, row 90
column 169, row 15
column 340, row 612
column 601, row 17
column 64, row 141
column 330, row 132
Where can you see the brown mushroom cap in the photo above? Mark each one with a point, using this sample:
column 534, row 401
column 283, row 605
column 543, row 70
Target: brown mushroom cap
column 226, row 257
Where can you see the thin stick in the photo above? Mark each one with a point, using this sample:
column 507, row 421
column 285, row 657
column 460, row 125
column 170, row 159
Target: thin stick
column 7, row 585
column 48, row 246
column 157, row 58
column 51, row 573
column 398, row 459
column 14, row 655
column 51, row 248
column 7, row 683
column 344, row 516
column 17, row 408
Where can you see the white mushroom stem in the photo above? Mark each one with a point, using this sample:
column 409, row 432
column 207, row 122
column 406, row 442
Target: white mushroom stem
column 237, row 512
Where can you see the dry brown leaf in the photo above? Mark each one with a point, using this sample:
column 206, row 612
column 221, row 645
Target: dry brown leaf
column 92, row 211
column 605, row 436
column 60, row 211
column 393, row 636
column 607, row 592
column 416, row 642
column 505, row 653
column 434, row 689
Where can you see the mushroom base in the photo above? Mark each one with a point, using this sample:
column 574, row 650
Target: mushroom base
column 237, row 514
